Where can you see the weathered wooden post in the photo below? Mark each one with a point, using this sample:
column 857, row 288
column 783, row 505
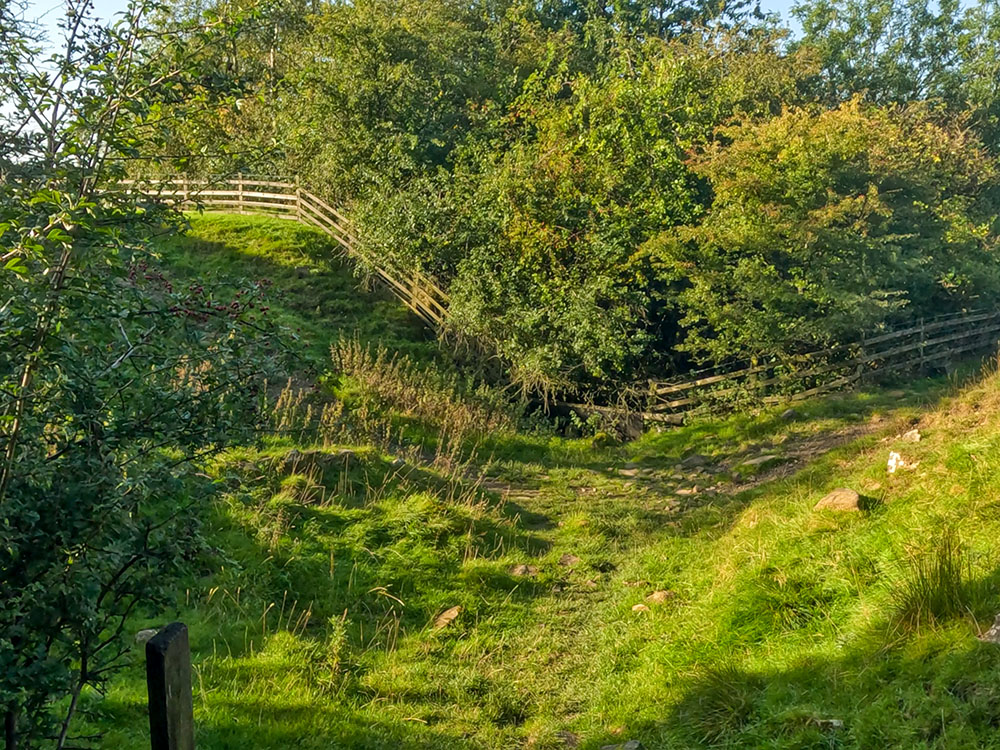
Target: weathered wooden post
column 298, row 201
column 168, row 681
column 239, row 188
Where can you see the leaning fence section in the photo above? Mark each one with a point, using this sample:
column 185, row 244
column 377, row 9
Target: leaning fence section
column 924, row 344
column 290, row 200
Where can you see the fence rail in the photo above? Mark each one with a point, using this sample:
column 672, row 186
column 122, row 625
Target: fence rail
column 911, row 348
column 290, row 200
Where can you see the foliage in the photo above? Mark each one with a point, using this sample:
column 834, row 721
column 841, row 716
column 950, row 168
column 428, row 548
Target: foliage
column 826, row 224
column 115, row 382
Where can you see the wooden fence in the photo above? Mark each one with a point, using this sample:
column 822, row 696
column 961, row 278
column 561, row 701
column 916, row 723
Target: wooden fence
column 914, row 347
column 928, row 343
column 290, row 200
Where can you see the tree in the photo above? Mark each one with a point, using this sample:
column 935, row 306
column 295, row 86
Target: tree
column 827, row 224
column 115, row 384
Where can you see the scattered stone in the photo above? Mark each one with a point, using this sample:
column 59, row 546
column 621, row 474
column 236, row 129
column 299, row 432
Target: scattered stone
column 830, row 723
column 840, row 499
column 897, row 394
column 569, row 560
column 661, row 596
column 687, row 491
column 629, row 472
column 760, row 460
column 694, row 461
column 640, row 608
column 897, row 462
column 524, row 570
column 568, row 739
column 993, row 634
column 447, row 617
column 144, row 635
column 912, row 436
column 789, row 415
column 630, row 745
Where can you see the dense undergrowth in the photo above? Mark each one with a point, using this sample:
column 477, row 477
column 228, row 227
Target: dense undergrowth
column 367, row 589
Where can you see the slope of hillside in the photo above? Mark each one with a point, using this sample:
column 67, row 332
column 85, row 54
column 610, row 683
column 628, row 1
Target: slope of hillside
column 415, row 569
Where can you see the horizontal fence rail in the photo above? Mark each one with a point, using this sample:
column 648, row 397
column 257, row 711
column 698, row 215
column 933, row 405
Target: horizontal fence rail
column 289, row 200
column 927, row 343
column 916, row 346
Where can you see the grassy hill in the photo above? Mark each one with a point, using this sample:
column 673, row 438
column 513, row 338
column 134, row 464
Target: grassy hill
column 405, row 564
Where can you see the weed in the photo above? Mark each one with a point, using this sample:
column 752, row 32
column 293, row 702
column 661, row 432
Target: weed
column 722, row 701
column 935, row 587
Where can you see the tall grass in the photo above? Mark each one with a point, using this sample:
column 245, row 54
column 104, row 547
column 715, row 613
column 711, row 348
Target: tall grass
column 935, row 587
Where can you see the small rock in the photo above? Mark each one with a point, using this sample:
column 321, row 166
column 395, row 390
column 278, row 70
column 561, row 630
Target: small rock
column 640, row 608
column 687, row 491
column 789, row 415
column 759, row 460
column 912, row 436
column 896, row 394
column 629, row 472
column 569, row 560
column 144, row 635
column 447, row 617
column 630, row 745
column 830, row 723
column 524, row 570
column 661, row 596
column 568, row 739
column 694, row 461
column 993, row 634
column 840, row 499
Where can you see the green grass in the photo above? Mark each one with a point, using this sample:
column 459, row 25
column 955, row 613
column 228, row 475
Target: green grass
column 316, row 296
column 787, row 628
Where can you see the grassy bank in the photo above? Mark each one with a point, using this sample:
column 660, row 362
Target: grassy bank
column 369, row 589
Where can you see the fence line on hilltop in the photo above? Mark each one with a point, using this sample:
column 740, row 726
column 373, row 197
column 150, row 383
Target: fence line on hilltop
column 914, row 347
column 290, row 200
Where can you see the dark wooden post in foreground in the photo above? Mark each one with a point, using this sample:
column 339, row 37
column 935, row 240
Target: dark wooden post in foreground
column 168, row 680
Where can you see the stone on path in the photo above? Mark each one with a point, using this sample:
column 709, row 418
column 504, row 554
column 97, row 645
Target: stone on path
column 661, row 596
column 760, row 460
column 447, row 617
column 840, row 499
column 912, row 436
column 993, row 634
column 694, row 461
column 640, row 608
column 524, row 570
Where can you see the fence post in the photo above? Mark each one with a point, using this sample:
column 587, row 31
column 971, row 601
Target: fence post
column 184, row 191
column 239, row 189
column 923, row 342
column 298, row 200
column 168, row 682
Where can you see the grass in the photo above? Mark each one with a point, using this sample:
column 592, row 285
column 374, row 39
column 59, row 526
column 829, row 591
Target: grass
column 338, row 548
